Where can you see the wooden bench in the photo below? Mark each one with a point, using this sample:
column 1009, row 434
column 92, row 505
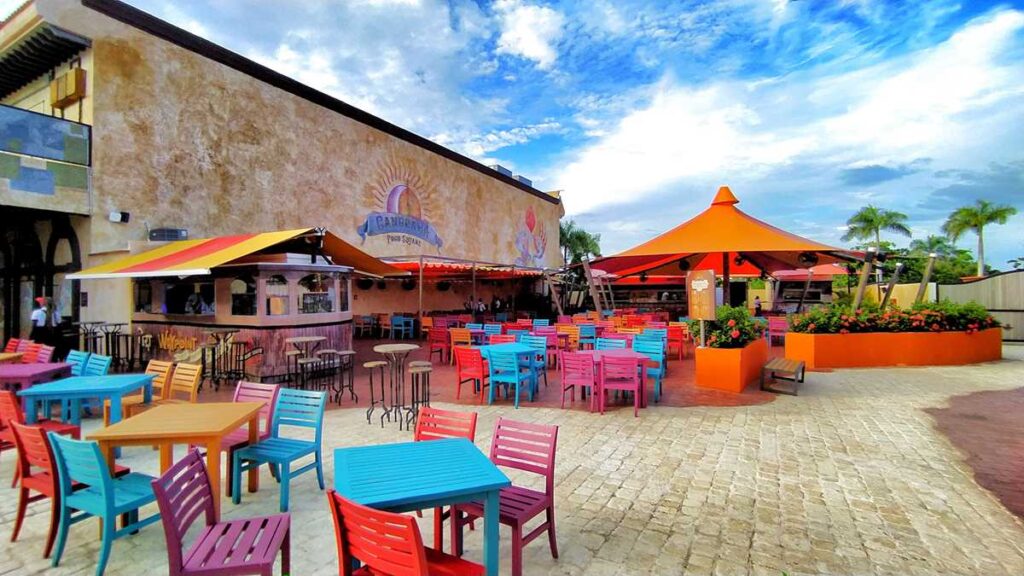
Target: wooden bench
column 782, row 369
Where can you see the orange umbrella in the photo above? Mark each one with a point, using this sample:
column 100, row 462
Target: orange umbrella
column 725, row 239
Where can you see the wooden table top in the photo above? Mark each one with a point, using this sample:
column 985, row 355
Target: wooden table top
column 10, row 356
column 304, row 339
column 181, row 420
column 395, row 348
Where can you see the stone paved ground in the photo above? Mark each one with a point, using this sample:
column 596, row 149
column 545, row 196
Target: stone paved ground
column 848, row 478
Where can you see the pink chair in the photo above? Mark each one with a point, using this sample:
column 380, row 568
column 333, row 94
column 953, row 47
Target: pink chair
column 578, row 370
column 239, row 546
column 619, row 374
column 12, row 345
column 777, row 328
column 45, row 354
column 529, row 448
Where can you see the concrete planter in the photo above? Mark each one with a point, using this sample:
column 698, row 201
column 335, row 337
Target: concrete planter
column 871, row 349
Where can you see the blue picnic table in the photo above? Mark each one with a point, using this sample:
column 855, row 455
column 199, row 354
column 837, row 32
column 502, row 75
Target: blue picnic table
column 78, row 388
column 418, row 475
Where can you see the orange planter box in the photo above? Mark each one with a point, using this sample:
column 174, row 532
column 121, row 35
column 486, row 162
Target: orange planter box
column 731, row 369
column 871, row 349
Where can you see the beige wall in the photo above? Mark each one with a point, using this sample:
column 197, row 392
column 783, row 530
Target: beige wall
column 394, row 299
column 181, row 141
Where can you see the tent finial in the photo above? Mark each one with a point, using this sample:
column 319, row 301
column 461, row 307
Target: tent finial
column 724, row 196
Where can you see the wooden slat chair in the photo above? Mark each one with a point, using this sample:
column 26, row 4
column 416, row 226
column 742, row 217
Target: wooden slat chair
column 470, row 366
column 12, row 345
column 426, row 324
column 237, row 546
column 538, row 362
column 504, row 368
column 491, row 329
column 301, row 408
column 438, row 341
column 529, row 448
column 459, row 337
column 45, row 354
column 619, row 374
column 104, row 496
column 587, row 336
column 655, row 367
column 438, row 424
column 160, row 370
column 30, row 355
column 778, row 326
column 676, row 341
column 578, row 371
column 78, row 360
column 387, row 543
column 183, row 388
column 11, row 413
column 501, row 339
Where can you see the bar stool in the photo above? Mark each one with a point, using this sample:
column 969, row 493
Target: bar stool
column 383, row 399
column 347, row 365
column 419, row 377
column 291, row 359
column 208, row 360
column 309, row 368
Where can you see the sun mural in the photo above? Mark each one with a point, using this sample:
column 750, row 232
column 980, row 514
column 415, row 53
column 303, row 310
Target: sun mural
column 405, row 198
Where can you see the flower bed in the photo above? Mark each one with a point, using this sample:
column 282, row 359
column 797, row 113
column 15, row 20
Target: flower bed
column 734, row 352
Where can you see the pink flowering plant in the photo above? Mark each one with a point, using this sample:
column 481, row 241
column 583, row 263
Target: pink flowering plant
column 942, row 316
column 734, row 328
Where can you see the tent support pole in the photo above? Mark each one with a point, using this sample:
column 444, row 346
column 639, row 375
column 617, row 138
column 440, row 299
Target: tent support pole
column 892, row 284
column 726, row 292
column 595, row 293
column 472, row 299
column 925, row 278
column 420, row 295
column 865, row 273
column 803, row 295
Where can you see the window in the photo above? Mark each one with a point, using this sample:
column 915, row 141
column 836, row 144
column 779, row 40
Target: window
column 189, row 297
column 343, row 288
column 277, row 296
column 243, row 296
column 316, row 293
column 143, row 295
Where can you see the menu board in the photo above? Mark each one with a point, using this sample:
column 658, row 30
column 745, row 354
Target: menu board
column 700, row 286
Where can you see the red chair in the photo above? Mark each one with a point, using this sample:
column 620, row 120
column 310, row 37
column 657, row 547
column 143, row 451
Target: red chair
column 470, row 367
column 11, row 413
column 438, row 341
column 12, row 345
column 578, row 370
column 238, row 546
column 501, row 339
column 30, row 353
column 529, row 448
column 619, row 374
column 387, row 543
column 676, row 341
column 437, row 424
column 39, row 474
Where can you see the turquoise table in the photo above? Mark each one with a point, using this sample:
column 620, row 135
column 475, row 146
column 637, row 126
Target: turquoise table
column 78, row 388
column 419, row 475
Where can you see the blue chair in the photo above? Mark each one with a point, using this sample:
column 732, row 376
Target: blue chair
column 301, row 408
column 610, row 344
column 474, row 326
column 403, row 326
column 607, row 313
column 518, row 333
column 588, row 335
column 655, row 350
column 540, row 322
column 538, row 362
column 504, row 368
column 491, row 329
column 501, row 317
column 78, row 360
column 656, row 332
column 87, row 490
column 95, row 365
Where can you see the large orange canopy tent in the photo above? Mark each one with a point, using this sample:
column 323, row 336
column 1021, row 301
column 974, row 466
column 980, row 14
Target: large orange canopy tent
column 725, row 239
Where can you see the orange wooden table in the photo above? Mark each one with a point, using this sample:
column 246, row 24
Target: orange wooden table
column 198, row 424
column 10, row 357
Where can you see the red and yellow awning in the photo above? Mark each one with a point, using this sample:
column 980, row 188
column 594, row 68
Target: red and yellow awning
column 198, row 257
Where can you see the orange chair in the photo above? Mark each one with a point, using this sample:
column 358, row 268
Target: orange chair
column 387, row 543
column 459, row 337
column 183, row 388
column 470, row 367
column 12, row 345
column 160, row 370
column 30, row 353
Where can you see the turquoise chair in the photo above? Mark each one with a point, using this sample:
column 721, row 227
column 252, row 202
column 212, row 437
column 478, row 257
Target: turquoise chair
column 95, row 365
column 504, row 368
column 657, row 332
column 538, row 363
column 655, row 350
column 300, row 408
column 518, row 333
column 540, row 322
column 474, row 326
column 491, row 329
column 87, row 490
column 610, row 344
column 78, row 360
column 588, row 335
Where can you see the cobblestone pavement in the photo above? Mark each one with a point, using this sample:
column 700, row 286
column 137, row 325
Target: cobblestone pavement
column 850, row 477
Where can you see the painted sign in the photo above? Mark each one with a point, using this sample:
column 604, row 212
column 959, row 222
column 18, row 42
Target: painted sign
column 405, row 197
column 531, row 241
column 700, row 286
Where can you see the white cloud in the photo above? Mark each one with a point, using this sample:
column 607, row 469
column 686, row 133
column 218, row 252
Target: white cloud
column 922, row 104
column 529, row 31
column 477, row 146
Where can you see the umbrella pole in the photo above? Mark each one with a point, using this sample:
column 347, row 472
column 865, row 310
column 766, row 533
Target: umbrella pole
column 726, row 292
column 865, row 273
column 925, row 278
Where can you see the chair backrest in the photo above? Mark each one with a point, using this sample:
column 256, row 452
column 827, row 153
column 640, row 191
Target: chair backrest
column 502, row 361
column 659, row 332
column 653, row 349
column 518, row 333
column 258, row 392
column 619, row 368
column 564, row 319
column 675, row 334
column 23, row 345
column 778, row 324
column 501, row 339
column 81, row 461
column 610, row 344
column 588, row 331
column 539, row 343
column 97, row 365
column 526, row 447
column 468, row 360
column 12, row 345
column 34, row 451
column 435, row 424
column 78, row 360
column 460, row 336
column 386, row 542
column 426, row 322
column 10, row 409
column 185, row 382
column 576, row 368
column 161, row 370
column 473, row 326
column 544, row 329
column 491, row 329
column 45, row 354
column 303, row 408
column 183, row 493
column 30, row 354
column 540, row 322
column 438, row 335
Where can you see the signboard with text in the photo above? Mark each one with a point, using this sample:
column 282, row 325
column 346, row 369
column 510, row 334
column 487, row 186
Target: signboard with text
column 700, row 292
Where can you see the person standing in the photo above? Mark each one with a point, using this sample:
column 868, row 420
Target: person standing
column 38, row 318
column 757, row 305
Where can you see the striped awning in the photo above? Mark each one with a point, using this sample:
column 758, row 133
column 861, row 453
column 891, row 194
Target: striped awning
column 198, row 257
column 453, row 270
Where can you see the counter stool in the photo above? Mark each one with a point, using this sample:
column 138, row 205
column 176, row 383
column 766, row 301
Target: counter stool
column 383, row 399
column 420, row 389
column 347, row 365
column 208, row 360
column 309, row 370
column 291, row 360
column 233, row 367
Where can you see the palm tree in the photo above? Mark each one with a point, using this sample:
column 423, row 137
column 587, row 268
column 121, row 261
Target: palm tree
column 869, row 222
column 939, row 245
column 576, row 243
column 976, row 218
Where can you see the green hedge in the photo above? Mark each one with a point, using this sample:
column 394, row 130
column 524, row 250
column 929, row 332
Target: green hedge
column 942, row 316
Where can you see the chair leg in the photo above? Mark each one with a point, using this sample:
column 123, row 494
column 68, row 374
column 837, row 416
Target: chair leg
column 552, row 541
column 285, row 482
column 62, row 535
column 20, row 517
column 236, row 478
column 108, row 540
column 438, row 527
column 319, row 471
column 517, row 551
column 51, row 535
column 286, row 553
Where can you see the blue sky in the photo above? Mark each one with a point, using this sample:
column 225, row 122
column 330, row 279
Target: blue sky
column 640, row 110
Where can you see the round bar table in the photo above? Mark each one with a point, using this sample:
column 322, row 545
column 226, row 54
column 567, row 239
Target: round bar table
column 395, row 354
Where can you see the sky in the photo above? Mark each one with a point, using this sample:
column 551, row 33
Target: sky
column 638, row 110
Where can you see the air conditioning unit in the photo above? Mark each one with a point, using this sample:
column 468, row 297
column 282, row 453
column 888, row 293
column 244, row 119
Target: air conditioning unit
column 501, row 169
column 524, row 180
column 67, row 88
column 167, row 234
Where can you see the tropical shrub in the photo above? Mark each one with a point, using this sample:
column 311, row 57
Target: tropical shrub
column 734, row 328
column 942, row 316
